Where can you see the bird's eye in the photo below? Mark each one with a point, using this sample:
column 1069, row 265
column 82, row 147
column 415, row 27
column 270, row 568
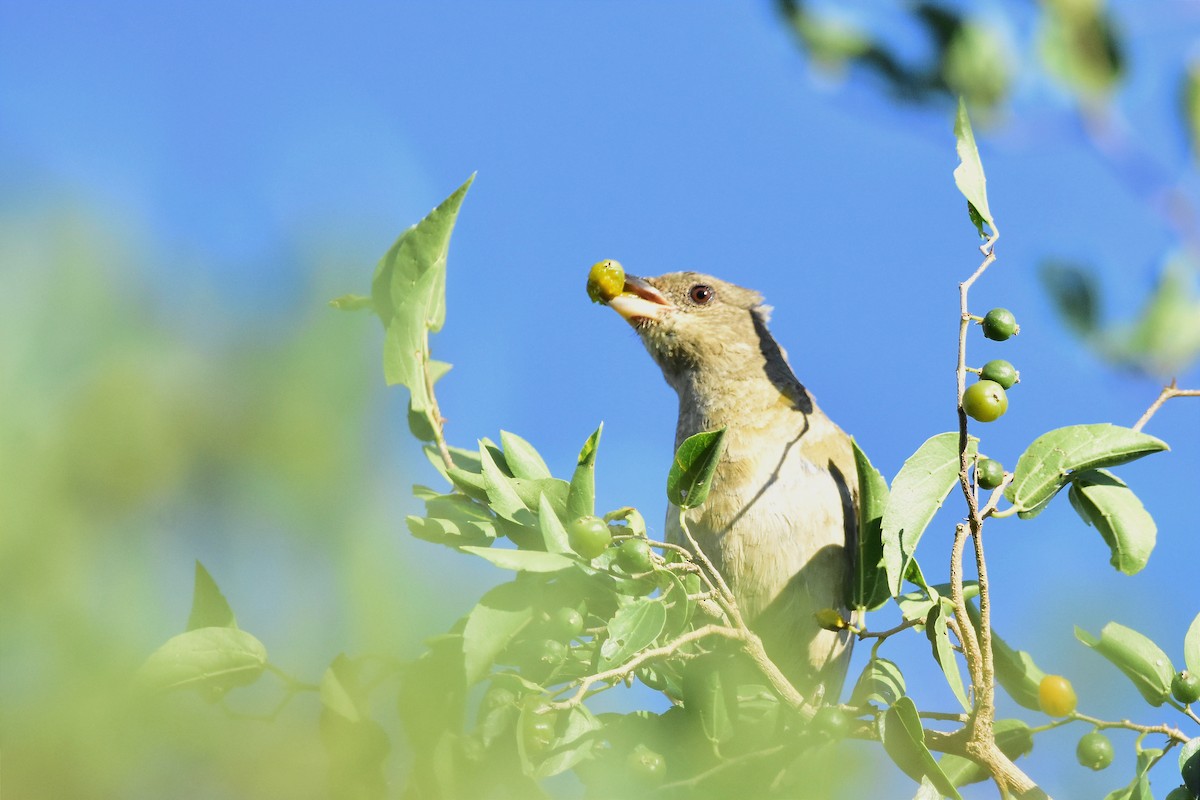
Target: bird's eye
column 701, row 294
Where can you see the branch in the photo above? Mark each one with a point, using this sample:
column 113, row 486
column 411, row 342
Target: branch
column 1169, row 391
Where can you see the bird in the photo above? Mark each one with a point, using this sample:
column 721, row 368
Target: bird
column 780, row 521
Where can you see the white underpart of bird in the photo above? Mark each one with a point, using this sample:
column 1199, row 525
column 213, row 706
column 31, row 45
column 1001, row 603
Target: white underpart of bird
column 780, row 521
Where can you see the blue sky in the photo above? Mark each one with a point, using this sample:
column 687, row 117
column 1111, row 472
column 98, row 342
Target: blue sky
column 226, row 140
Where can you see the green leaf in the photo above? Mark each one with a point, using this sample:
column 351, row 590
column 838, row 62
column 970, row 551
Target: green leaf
column 408, row 293
column 210, row 609
column 632, row 629
column 1015, row 670
column 522, row 560
column 968, row 175
column 554, row 535
column 917, row 604
column 448, row 532
column 1190, row 104
column 1047, row 464
column 943, row 653
column 1164, row 339
column 1079, row 45
column 676, row 598
column 340, row 692
column 1189, row 765
column 522, row 458
column 1191, row 647
column 501, row 614
column 217, row 658
column 881, row 683
column 581, row 497
column 869, row 589
column 1106, row 503
column 710, row 695
column 1075, row 295
column 351, row 302
column 1142, row 661
column 501, row 493
column 573, row 742
column 918, row 491
column 691, row 474
column 904, row 741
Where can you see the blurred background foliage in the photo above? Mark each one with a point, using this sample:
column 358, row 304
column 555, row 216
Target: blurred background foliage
column 145, row 421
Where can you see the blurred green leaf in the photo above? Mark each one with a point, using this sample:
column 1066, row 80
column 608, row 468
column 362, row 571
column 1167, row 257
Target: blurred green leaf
column 1189, row 765
column 943, row 653
column 869, row 589
column 710, row 695
column 1191, row 646
column 205, row 658
column 501, row 614
column 340, row 692
column 880, row 683
column 904, row 740
column 1142, row 661
column 1190, row 104
column 1106, row 503
column 1074, row 293
column 210, row 609
column 1016, row 672
column 581, row 498
column 968, row 175
column 632, row 629
column 977, row 65
column 1047, row 464
column 1079, row 45
column 351, row 302
column 572, row 743
column 522, row 560
column 1164, row 338
column 692, row 471
column 918, row 491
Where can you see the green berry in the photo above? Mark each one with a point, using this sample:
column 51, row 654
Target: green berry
column 647, row 766
column 985, row 401
column 565, row 624
column 634, row 556
column 1094, row 751
column 1180, row 793
column 989, row 473
column 1185, row 687
column 1000, row 371
column 832, row 721
column 606, row 280
column 538, row 724
column 999, row 324
column 589, row 536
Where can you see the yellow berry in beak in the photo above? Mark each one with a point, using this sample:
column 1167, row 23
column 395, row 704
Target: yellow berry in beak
column 606, row 280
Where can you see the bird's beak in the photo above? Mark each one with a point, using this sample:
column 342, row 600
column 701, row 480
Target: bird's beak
column 639, row 302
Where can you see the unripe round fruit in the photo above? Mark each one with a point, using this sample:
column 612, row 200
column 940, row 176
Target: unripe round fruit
column 537, row 729
column 1094, row 751
column 589, row 536
column 1185, row 687
column 551, row 652
column 634, row 556
column 565, row 624
column 832, row 721
column 985, row 401
column 1180, row 793
column 999, row 324
column 1056, row 696
column 606, row 280
column 649, row 767
column 1000, row 371
column 989, row 473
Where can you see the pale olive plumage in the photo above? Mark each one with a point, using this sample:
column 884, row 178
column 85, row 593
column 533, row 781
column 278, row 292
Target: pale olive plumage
column 780, row 522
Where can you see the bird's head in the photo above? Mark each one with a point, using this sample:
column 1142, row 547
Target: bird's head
column 696, row 327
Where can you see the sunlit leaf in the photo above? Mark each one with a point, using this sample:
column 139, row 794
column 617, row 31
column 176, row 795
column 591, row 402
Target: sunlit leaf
column 1106, row 503
column 581, row 498
column 869, row 589
column 632, row 629
column 1048, row 463
column 1191, row 647
column 692, row 471
column 496, row 619
column 918, row 491
column 904, row 741
column 554, row 535
column 943, row 653
column 205, row 658
column 522, row 458
column 968, row 175
column 1142, row 661
column 501, row 493
column 522, row 560
column 881, row 683
column 210, row 609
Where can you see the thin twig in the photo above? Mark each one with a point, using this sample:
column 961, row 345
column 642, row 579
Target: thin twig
column 434, row 412
column 1172, row 733
column 1169, row 391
